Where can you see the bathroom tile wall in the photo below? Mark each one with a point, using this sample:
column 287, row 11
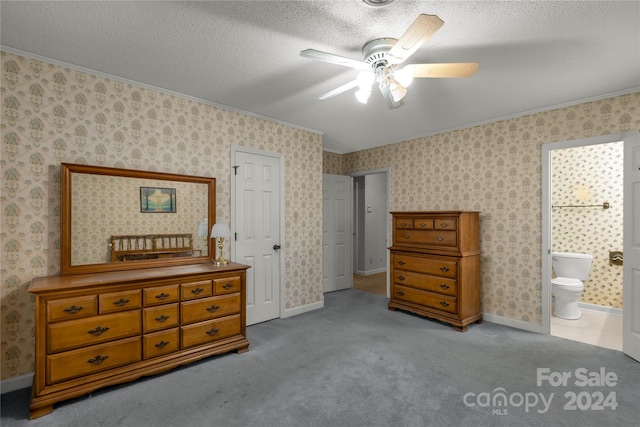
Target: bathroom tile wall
column 495, row 168
column 590, row 175
column 52, row 114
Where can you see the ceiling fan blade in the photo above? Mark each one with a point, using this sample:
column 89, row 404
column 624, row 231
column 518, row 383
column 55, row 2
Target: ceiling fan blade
column 415, row 36
column 444, row 70
column 337, row 91
column 334, row 59
column 388, row 97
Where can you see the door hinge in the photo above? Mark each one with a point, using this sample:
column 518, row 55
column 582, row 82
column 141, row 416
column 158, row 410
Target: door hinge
column 235, row 169
column 235, row 236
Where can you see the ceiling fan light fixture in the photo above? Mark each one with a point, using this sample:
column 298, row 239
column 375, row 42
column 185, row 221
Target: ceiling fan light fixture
column 365, row 79
column 363, row 95
column 377, row 3
column 397, row 91
column 404, row 76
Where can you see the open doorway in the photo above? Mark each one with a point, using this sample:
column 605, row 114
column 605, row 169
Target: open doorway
column 583, row 214
column 371, row 238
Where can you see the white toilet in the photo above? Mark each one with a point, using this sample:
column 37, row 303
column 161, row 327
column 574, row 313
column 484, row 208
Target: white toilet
column 570, row 269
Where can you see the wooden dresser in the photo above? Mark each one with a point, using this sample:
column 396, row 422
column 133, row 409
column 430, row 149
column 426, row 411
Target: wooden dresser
column 96, row 330
column 435, row 266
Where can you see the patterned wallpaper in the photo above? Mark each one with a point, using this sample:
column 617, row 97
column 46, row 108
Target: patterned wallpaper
column 110, row 205
column 590, row 175
column 333, row 163
column 52, row 114
column 495, row 168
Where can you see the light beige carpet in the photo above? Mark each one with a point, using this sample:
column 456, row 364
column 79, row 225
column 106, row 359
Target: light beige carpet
column 374, row 283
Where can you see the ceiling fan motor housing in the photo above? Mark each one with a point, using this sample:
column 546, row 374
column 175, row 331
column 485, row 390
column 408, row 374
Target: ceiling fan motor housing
column 375, row 51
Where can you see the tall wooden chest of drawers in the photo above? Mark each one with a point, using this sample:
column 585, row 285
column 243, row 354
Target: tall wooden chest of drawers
column 435, row 266
column 96, row 330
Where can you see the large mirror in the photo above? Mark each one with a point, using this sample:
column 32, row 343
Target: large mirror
column 122, row 219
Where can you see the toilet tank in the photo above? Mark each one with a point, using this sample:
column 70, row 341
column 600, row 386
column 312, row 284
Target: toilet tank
column 572, row 265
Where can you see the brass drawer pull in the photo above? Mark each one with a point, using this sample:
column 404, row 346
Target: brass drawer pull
column 163, row 296
column 97, row 360
column 440, row 239
column 444, row 286
column 73, row 309
column 162, row 319
column 121, row 302
column 228, row 286
column 406, row 236
column 404, row 224
column 197, row 291
column 162, row 344
column 213, row 308
column 444, row 225
column 423, row 225
column 444, row 269
column 401, row 277
column 444, row 303
column 97, row 331
column 401, row 293
column 213, row 331
column 401, row 262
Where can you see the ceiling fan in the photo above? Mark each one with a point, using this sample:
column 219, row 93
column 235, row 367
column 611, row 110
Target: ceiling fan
column 382, row 60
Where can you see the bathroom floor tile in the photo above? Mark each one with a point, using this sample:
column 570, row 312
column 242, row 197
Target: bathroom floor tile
column 596, row 328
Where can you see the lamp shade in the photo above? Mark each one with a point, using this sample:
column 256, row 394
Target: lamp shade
column 220, row 230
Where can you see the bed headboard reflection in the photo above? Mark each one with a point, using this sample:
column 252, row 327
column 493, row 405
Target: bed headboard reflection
column 150, row 246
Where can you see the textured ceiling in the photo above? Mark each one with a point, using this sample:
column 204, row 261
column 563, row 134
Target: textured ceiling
column 245, row 55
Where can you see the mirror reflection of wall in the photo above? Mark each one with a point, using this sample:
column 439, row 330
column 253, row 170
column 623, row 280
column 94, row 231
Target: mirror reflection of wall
column 110, row 205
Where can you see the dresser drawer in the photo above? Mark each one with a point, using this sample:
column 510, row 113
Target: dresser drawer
column 161, row 295
column 428, row 299
column 72, row 308
column 431, row 266
column 227, row 285
column 160, row 317
column 119, row 301
column 196, row 290
column 209, row 308
column 428, row 283
column 205, row 332
column 426, row 237
column 445, row 224
column 92, row 330
column 159, row 343
column 91, row 360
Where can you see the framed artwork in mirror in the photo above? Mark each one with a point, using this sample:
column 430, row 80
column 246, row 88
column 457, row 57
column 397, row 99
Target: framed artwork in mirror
column 157, row 200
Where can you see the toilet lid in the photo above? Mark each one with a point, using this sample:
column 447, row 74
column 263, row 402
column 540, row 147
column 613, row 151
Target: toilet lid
column 566, row 282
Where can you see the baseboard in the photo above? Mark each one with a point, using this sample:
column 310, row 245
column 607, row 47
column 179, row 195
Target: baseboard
column 303, row 309
column 16, row 383
column 370, row 272
column 518, row 324
column 601, row 308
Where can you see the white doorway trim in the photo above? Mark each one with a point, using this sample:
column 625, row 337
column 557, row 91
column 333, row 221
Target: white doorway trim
column 546, row 214
column 386, row 171
column 239, row 149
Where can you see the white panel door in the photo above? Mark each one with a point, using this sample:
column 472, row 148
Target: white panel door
column 337, row 264
column 631, row 273
column 257, row 211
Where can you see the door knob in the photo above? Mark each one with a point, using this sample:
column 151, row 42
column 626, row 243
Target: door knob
column 276, row 247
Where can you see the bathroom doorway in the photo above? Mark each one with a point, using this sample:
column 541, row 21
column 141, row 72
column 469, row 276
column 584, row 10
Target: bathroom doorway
column 584, row 214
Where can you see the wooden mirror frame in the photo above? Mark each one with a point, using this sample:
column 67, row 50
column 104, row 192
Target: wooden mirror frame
column 66, row 268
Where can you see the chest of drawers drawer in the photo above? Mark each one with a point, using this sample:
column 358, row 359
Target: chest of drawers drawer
column 425, row 282
column 426, row 237
column 227, row 285
column 160, row 343
column 209, row 308
column 72, row 308
column 200, row 289
column 428, row 299
column 119, row 301
column 206, row 332
column 160, row 317
column 92, row 330
column 161, row 295
column 94, row 359
column 434, row 266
